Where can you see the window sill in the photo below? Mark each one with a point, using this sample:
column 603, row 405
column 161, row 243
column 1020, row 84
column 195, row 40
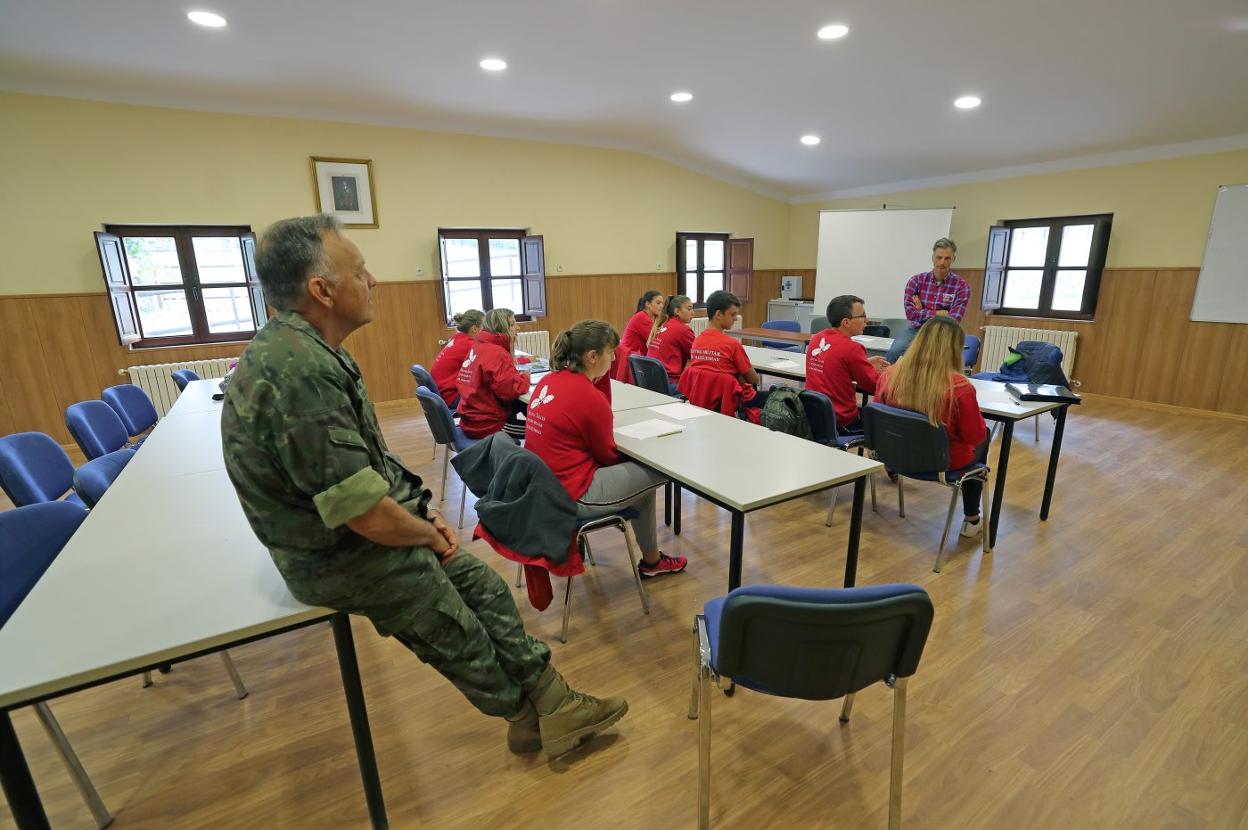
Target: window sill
column 136, row 347
column 1000, row 314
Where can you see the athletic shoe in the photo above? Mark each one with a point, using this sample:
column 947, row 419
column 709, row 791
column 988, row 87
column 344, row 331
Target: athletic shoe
column 665, row 565
column 970, row 529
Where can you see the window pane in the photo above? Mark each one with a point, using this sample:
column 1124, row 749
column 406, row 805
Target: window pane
column 691, row 254
column 1022, row 288
column 163, row 313
column 219, row 259
column 153, row 260
column 463, row 295
column 713, row 254
column 504, row 257
column 228, row 309
column 1028, row 247
column 1076, row 245
column 1068, row 289
column 712, row 281
column 461, row 258
column 691, row 286
column 507, row 295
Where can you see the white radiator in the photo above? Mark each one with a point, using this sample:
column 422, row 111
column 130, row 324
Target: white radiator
column 699, row 324
column 998, row 339
column 536, row 343
column 156, row 379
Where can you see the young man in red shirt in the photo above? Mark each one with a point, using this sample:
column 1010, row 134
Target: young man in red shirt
column 835, row 362
column 714, row 352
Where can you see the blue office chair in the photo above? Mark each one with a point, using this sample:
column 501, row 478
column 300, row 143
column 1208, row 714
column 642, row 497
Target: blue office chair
column 821, row 416
column 132, row 406
column 911, row 447
column 34, row 469
column 970, row 351
column 423, row 378
column 182, row 377
column 811, row 644
column 782, row 325
column 650, row 373
column 447, row 434
column 95, row 427
column 34, row 535
column 98, row 474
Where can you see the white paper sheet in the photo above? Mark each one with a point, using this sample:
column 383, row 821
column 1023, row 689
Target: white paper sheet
column 653, row 428
column 680, row 411
column 782, row 364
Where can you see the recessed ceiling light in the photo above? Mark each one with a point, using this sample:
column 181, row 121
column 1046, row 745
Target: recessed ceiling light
column 810, row 140
column 493, row 64
column 967, row 102
column 209, row 19
column 682, row 97
column 836, row 31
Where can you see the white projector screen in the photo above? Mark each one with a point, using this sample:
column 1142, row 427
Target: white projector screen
column 871, row 254
column 1222, row 290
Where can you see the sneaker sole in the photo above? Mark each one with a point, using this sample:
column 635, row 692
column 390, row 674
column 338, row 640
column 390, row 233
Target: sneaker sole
column 653, row 574
column 572, row 740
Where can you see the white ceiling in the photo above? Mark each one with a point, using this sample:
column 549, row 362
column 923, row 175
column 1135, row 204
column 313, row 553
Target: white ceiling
column 1059, row 78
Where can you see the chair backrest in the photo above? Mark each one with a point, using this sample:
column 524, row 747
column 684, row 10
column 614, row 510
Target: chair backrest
column 437, row 415
column 132, row 406
column 821, row 644
column 782, row 325
column 33, row 468
column 33, row 536
column 895, row 325
column 876, row 331
column 95, row 427
column 820, row 414
column 649, row 373
column 182, row 377
column 818, row 323
column 423, row 378
column 98, row 474
column 904, row 440
column 970, row 351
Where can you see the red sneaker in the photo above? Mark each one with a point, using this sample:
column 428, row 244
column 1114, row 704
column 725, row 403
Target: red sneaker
column 665, row 565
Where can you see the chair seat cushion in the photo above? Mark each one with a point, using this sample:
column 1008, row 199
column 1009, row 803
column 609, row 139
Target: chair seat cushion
column 628, row 513
column 951, row 475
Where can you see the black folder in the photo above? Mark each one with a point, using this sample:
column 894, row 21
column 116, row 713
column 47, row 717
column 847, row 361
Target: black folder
column 1044, row 392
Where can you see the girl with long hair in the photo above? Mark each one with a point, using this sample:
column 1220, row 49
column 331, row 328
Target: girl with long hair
column 672, row 339
column 637, row 333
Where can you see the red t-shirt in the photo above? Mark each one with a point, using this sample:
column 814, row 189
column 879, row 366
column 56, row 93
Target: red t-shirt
column 446, row 365
column 632, row 341
column 671, row 345
column 717, row 352
column 569, row 428
column 488, row 382
column 961, row 419
column 834, row 363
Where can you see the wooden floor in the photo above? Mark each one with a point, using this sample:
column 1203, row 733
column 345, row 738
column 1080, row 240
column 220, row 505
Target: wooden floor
column 1092, row 672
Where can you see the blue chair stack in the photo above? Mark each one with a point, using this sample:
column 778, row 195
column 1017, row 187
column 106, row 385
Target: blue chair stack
column 92, row 479
column 132, row 406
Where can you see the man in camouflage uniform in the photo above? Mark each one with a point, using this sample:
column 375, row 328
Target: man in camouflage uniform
column 348, row 526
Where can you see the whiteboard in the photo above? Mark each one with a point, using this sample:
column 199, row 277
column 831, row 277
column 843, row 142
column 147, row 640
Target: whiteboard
column 1222, row 290
column 871, row 254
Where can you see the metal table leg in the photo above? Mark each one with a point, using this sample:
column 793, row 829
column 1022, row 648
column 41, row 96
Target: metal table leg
column 676, row 507
column 734, row 550
column 1053, row 456
column 998, row 490
column 19, row 787
column 667, row 504
column 855, row 531
column 359, row 720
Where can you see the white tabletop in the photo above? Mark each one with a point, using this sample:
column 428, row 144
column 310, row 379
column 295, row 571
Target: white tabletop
column 874, row 344
column 742, row 465
column 623, row 395
column 164, row 566
column 775, row 362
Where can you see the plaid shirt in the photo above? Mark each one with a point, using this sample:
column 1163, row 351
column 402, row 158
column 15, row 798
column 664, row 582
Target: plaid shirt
column 952, row 295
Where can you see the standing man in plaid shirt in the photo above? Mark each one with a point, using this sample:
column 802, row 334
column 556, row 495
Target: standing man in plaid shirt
column 935, row 293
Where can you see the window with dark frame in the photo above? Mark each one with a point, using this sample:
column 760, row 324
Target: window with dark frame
column 1047, row 267
column 486, row 268
column 701, row 264
column 174, row 285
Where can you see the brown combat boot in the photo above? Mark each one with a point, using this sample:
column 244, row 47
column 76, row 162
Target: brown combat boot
column 567, row 717
column 522, row 732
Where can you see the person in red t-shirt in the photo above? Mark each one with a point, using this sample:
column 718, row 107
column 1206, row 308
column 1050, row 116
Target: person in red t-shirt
column 570, row 428
column 446, row 365
column 714, row 352
column 673, row 339
column 637, row 333
column 928, row 379
column 488, row 382
column 834, row 362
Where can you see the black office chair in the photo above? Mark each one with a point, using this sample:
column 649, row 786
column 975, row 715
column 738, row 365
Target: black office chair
column 650, row 373
column 821, row 416
column 818, row 324
column 876, row 331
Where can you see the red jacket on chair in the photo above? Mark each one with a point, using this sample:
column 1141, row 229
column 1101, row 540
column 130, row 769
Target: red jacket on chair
column 714, row 390
column 488, row 382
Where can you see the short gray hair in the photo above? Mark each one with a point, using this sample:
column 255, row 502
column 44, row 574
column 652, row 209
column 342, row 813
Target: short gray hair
column 945, row 242
column 289, row 252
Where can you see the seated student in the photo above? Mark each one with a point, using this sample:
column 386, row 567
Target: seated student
column 715, row 353
column 446, row 365
column 637, row 333
column 570, row 428
column 673, row 339
column 834, row 362
column 488, row 382
column 928, row 379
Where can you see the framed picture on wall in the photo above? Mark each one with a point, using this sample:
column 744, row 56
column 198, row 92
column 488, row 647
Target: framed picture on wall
column 344, row 187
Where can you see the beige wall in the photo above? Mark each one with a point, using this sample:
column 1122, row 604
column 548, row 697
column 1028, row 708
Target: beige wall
column 72, row 165
column 1161, row 208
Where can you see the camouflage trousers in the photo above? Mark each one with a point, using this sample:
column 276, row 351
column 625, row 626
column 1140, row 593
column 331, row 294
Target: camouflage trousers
column 459, row 617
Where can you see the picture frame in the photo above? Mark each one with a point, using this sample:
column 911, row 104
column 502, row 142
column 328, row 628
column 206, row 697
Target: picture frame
column 344, row 187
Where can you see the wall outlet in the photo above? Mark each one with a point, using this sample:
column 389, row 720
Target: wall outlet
column 420, row 272
column 559, row 268
column 658, row 266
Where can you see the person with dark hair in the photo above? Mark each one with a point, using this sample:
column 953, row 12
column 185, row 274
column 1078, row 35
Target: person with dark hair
column 672, row 341
column 637, row 333
column 489, row 383
column 347, row 525
column 935, row 293
column 714, row 353
column 835, row 362
column 570, row 428
column 445, row 368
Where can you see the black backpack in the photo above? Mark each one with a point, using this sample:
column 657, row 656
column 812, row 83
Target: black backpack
column 784, row 412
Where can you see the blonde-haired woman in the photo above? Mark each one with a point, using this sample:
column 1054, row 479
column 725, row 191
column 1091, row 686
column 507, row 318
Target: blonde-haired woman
column 446, row 365
column 489, row 383
column 928, row 379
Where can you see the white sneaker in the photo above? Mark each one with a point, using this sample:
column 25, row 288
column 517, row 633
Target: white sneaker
column 970, row 530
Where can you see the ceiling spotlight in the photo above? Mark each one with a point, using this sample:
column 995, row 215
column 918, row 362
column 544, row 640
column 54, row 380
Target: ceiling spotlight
column 967, row 102
column 214, row 21
column 682, row 97
column 493, row 64
column 834, row 32
column 810, row 140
